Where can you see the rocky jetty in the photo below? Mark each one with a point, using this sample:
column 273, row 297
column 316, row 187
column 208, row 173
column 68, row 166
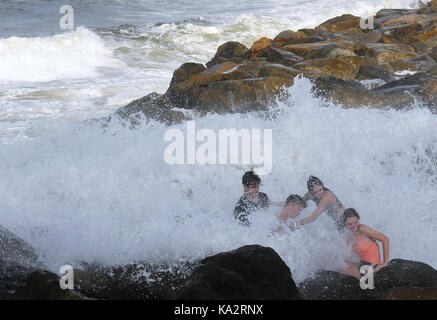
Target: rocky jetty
column 336, row 55
column 250, row 272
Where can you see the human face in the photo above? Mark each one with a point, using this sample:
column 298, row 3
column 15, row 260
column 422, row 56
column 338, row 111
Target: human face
column 352, row 223
column 251, row 189
column 318, row 191
column 293, row 209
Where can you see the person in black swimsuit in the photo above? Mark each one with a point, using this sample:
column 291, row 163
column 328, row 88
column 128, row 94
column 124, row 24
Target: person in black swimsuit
column 252, row 199
column 325, row 200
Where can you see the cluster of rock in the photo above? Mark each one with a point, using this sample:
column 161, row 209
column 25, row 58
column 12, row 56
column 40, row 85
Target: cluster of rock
column 336, row 56
column 251, row 272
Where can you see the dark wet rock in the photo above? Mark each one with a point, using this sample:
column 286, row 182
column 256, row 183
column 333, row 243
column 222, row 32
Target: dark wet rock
column 241, row 95
column 352, row 94
column 310, row 36
column 400, row 34
column 419, row 85
column 303, row 49
column 153, row 106
column 278, row 70
column 341, row 24
column 329, row 285
column 44, row 285
column 249, row 272
column 373, row 36
column 282, row 56
column 401, row 65
column 230, row 51
column 136, row 281
column 375, row 72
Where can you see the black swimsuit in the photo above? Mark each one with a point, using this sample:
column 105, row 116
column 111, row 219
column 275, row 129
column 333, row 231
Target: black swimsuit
column 245, row 207
column 333, row 211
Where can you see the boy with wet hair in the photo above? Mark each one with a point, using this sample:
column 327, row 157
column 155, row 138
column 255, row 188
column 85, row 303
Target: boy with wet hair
column 252, row 199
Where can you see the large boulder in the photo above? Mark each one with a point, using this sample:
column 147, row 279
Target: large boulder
column 342, row 68
column 342, row 24
column 330, row 285
column 239, row 96
column 284, row 57
column 230, row 51
column 136, row 281
column 153, row 106
column 249, row 272
column 383, row 52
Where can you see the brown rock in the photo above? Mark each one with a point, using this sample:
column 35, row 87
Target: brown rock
column 241, row 95
column 388, row 52
column 229, row 51
column 401, row 65
column 342, row 24
column 343, row 68
column 278, row 70
column 334, row 50
column 283, row 37
column 352, row 94
column 260, row 45
column 303, row 49
column 424, row 35
column 373, row 36
column 398, row 34
column 375, row 72
column 282, row 56
column 185, row 71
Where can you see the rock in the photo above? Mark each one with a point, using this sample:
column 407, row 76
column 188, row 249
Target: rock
column 423, row 62
column 352, row 94
column 421, row 85
column 136, row 281
column 433, row 3
column 285, row 36
column 310, row 36
column 12, row 278
column 44, row 285
column 388, row 52
column 259, row 47
column 153, row 106
column 303, row 49
column 343, row 67
column 424, row 35
column 185, row 72
column 282, row 56
column 401, row 65
column 330, row 285
column 278, row 70
column 375, row 72
column 399, row 34
column 230, row 51
column 341, row 24
column 16, row 251
column 373, row 36
column 410, row 294
column 250, row 272
column 185, row 94
column 241, row 95
column 333, row 50
column 399, row 273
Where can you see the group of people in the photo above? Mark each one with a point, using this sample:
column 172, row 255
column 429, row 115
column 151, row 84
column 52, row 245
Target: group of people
column 364, row 239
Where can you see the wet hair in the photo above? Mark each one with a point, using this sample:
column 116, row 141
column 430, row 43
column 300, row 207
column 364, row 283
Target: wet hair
column 250, row 179
column 312, row 182
column 349, row 213
column 294, row 198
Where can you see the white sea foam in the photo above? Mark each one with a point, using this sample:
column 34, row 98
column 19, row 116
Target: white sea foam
column 84, row 193
column 72, row 55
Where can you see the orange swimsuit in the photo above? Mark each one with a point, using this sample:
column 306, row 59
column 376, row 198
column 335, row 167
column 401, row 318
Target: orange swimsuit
column 367, row 251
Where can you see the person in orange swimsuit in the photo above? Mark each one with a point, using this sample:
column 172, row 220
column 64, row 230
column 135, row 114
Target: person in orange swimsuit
column 365, row 244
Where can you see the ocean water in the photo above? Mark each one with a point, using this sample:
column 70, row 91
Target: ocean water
column 78, row 192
